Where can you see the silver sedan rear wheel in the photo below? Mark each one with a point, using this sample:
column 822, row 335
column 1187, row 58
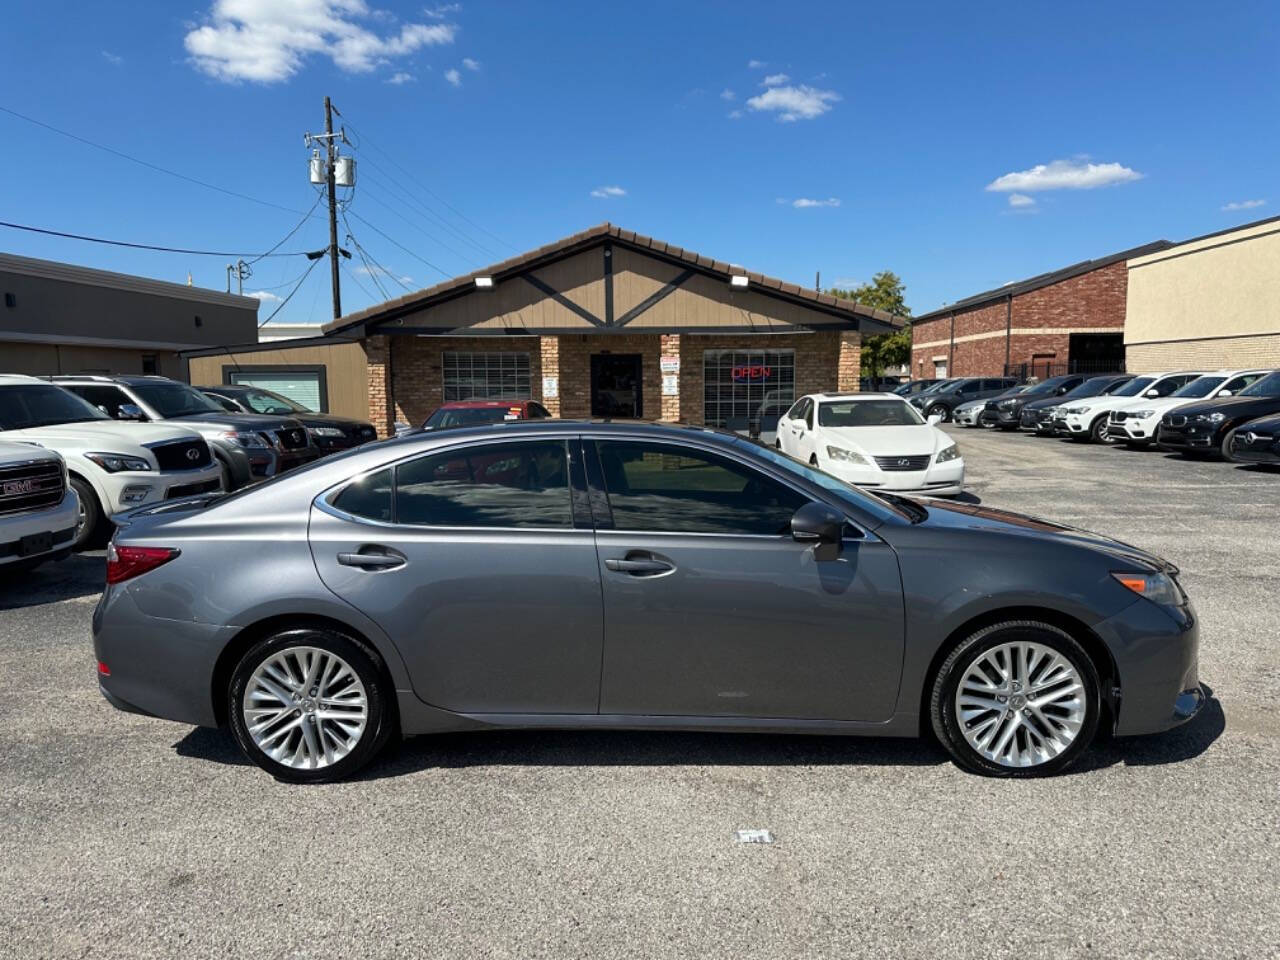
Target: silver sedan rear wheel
column 1020, row 704
column 305, row 708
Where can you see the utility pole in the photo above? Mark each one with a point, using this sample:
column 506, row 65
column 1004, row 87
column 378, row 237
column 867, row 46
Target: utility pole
column 333, row 209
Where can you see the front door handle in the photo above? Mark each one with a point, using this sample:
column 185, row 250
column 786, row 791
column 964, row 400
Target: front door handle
column 639, row 566
column 387, row 560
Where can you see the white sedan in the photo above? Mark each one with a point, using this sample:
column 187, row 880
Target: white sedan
column 873, row 440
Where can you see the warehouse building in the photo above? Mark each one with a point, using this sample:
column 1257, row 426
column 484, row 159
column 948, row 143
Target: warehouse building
column 1213, row 301
column 1070, row 320
column 60, row 318
column 604, row 323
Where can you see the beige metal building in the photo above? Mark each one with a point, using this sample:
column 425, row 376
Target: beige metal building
column 61, row 318
column 1213, row 301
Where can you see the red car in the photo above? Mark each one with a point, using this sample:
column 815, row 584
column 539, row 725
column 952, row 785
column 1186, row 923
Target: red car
column 471, row 413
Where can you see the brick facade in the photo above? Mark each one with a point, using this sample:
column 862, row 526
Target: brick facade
column 1038, row 328
column 825, row 361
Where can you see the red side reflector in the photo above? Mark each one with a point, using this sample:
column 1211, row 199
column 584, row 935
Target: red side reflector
column 125, row 563
column 103, row 671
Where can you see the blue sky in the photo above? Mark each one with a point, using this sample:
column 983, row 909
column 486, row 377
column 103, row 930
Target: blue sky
column 960, row 145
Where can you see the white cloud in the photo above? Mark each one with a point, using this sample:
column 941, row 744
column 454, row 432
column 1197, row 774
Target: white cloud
column 1243, row 204
column 441, row 10
column 397, row 79
column 795, row 103
column 382, row 272
column 268, row 41
column 263, row 296
column 454, row 77
column 756, row 64
column 1078, row 174
column 775, row 80
column 608, row 192
column 1021, row 200
column 800, row 203
column 470, row 64
column 112, row 58
column 727, row 94
column 735, row 114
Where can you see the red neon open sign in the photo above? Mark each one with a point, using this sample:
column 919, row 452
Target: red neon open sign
column 758, row 371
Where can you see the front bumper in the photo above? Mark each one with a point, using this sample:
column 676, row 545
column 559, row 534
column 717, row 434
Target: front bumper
column 1189, row 436
column 1125, row 427
column 969, row 417
column 1263, row 448
column 58, row 521
column 144, row 487
column 1072, row 425
column 939, row 479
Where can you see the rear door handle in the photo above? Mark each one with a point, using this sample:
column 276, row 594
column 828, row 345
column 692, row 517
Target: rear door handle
column 639, row 567
column 372, row 561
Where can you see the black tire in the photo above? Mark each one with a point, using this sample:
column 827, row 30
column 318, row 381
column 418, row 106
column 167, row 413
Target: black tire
column 1225, row 449
column 942, row 696
column 363, row 661
column 1098, row 429
column 224, row 471
column 89, row 532
column 939, row 409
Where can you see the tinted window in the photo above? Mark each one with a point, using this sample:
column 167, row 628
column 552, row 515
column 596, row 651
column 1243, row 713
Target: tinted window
column 1268, row 386
column 368, row 497
column 226, row 403
column 538, row 412
column 105, row 398
column 665, row 487
column 264, row 401
column 1239, row 383
column 808, row 414
column 171, row 399
column 493, row 485
column 444, row 418
column 1134, row 387
column 38, row 405
column 868, row 413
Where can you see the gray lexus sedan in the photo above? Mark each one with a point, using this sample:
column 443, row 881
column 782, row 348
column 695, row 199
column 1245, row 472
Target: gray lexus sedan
column 560, row 574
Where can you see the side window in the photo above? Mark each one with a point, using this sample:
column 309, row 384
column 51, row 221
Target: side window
column 107, row 397
column 797, row 410
column 1168, row 385
column 809, row 407
column 1236, row 384
column 368, row 497
column 666, row 487
column 224, row 403
column 490, row 485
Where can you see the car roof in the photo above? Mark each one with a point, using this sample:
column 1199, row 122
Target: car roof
column 829, row 397
column 14, row 379
column 129, row 378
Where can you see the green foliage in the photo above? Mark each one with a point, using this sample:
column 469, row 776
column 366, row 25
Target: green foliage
column 887, row 292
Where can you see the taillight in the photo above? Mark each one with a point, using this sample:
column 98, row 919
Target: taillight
column 125, row 563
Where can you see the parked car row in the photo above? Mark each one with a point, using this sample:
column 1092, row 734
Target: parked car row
column 121, row 442
column 1233, row 414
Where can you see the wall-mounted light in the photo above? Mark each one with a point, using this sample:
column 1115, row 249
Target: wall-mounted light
column 739, row 280
column 484, row 283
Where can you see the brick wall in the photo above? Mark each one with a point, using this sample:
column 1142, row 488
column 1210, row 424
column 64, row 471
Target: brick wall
column 849, row 363
column 418, row 382
column 1261, row 351
column 575, row 370
column 1090, row 301
column 670, row 405
column 375, row 351
column 550, row 351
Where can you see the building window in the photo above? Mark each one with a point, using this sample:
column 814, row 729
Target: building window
column 747, row 390
column 305, row 387
column 479, row 375
column 150, row 364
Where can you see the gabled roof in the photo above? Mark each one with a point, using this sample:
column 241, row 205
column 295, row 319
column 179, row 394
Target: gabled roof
column 595, row 236
column 1041, row 280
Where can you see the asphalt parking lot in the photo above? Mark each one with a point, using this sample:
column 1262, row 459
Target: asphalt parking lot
column 125, row 836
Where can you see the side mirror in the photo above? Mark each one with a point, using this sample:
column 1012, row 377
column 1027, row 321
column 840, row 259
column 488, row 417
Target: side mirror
column 401, row 428
column 935, row 419
column 1152, row 393
column 130, row 411
column 1224, row 393
column 821, row 525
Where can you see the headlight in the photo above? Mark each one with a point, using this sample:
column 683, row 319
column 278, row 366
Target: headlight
column 244, row 438
column 948, row 453
column 1142, row 414
column 1211, row 417
column 1073, row 411
column 846, row 456
column 1157, row 587
column 1006, row 404
column 115, row 462
column 325, row 432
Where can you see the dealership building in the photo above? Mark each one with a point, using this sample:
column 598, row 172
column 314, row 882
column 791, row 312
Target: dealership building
column 604, row 323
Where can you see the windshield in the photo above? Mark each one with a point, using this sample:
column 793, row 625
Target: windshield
column 40, row 405
column 856, row 497
column 1090, row 388
column 868, row 413
column 1199, row 387
column 1134, row 387
column 1268, row 386
column 445, row 418
column 1045, row 386
column 174, row 399
column 264, row 401
column 940, row 385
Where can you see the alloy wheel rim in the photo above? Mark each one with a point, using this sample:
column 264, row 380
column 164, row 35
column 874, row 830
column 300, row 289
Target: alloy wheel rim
column 82, row 517
column 305, row 708
column 1020, row 704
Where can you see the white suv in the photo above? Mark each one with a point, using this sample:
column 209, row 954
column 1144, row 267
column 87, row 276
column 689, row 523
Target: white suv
column 1087, row 419
column 38, row 510
column 1136, row 423
column 112, row 466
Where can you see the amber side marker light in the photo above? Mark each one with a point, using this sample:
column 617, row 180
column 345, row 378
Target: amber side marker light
column 1136, row 584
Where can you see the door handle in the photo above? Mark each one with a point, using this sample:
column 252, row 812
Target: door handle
column 639, row 566
column 372, row 561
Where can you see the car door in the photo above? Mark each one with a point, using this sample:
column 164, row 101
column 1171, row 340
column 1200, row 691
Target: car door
column 791, row 427
column 479, row 562
column 712, row 609
column 806, row 437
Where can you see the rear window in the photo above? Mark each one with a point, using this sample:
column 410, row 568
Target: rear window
column 446, row 418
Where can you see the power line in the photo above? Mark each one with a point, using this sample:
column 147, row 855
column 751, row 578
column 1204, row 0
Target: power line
column 145, row 163
column 401, row 246
column 291, row 293
column 371, row 264
column 352, row 277
column 469, row 261
column 360, row 138
column 150, row 246
column 420, row 209
column 305, row 218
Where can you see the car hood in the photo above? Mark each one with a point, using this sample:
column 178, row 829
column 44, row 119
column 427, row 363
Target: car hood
column 1262, row 425
column 1250, row 407
column 886, row 441
column 1100, row 402
column 1158, row 404
column 237, row 421
column 329, row 420
column 948, row 514
column 971, row 405
column 98, row 434
column 1035, row 403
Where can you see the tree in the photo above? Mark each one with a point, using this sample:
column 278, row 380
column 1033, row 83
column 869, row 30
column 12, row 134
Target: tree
column 887, row 292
